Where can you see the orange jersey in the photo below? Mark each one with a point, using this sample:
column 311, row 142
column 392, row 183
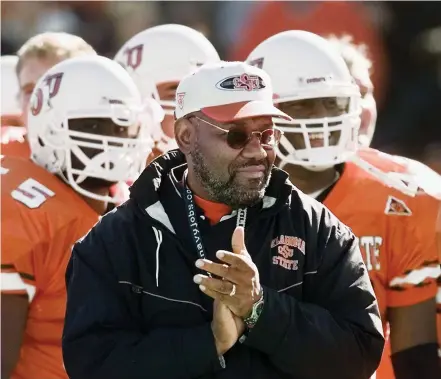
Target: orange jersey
column 397, row 238
column 41, row 218
column 13, row 142
column 430, row 181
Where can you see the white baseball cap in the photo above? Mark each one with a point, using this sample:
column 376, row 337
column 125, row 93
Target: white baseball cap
column 227, row 91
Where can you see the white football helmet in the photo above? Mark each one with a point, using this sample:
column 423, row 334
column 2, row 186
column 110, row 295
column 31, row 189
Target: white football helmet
column 356, row 58
column 90, row 87
column 164, row 54
column 9, row 86
column 302, row 66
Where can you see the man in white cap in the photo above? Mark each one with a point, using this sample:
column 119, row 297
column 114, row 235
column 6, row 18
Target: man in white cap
column 217, row 267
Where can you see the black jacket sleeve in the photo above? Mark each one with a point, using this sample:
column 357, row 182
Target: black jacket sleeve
column 101, row 341
column 336, row 331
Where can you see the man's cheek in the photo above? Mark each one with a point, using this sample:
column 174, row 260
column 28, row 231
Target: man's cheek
column 271, row 157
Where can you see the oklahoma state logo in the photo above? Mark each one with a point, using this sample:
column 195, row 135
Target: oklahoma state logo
column 294, row 242
column 244, row 82
column 285, row 251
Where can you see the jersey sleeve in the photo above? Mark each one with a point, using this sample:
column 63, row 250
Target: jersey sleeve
column 36, row 250
column 414, row 266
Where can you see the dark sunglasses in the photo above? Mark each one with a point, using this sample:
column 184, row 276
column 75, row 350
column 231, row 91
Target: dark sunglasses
column 238, row 137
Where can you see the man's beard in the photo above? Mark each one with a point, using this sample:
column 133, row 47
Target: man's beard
column 230, row 192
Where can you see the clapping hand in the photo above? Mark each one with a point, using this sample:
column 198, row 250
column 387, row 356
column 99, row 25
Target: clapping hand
column 226, row 326
column 239, row 287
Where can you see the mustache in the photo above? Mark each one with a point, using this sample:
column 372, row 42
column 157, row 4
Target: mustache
column 251, row 162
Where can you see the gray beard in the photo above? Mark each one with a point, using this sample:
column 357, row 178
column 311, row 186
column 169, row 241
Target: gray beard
column 227, row 192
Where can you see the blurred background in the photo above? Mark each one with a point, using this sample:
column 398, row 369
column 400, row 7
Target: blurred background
column 404, row 40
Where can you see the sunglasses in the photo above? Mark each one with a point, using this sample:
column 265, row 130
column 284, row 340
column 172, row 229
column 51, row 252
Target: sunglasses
column 238, row 137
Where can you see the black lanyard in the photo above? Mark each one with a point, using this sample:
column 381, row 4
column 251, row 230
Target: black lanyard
column 193, row 222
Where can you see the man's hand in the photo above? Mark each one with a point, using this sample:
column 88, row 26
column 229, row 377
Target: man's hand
column 240, row 287
column 226, row 327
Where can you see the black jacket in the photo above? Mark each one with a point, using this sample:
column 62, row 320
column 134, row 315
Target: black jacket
column 133, row 310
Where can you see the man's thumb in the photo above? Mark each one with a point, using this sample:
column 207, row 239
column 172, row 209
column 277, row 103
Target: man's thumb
column 238, row 241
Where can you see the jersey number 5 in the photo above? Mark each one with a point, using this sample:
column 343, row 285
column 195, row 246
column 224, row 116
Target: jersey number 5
column 32, row 193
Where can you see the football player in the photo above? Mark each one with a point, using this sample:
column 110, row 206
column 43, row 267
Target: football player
column 157, row 59
column 359, row 64
column 88, row 128
column 35, row 57
column 395, row 226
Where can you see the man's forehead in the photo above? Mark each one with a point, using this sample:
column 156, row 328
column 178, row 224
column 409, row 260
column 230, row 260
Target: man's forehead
column 252, row 121
column 33, row 68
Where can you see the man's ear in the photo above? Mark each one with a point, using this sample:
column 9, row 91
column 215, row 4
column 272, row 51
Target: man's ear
column 185, row 134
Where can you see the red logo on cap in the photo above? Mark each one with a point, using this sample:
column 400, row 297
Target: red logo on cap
column 247, row 82
column 244, row 82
